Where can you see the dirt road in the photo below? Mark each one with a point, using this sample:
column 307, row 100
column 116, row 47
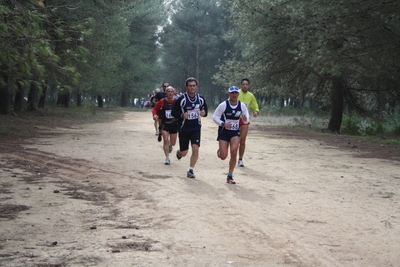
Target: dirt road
column 100, row 195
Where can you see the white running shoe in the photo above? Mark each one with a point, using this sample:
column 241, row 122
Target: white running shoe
column 167, row 162
column 240, row 163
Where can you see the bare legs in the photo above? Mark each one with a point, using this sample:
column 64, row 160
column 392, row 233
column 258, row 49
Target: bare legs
column 243, row 134
column 168, row 141
column 223, row 151
column 194, row 156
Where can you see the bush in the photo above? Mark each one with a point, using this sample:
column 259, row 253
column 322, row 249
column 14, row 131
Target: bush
column 357, row 125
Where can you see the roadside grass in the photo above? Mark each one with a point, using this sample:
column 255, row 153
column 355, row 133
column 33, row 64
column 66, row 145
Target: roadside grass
column 17, row 123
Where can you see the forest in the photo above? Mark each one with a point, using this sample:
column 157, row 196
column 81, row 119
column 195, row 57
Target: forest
column 334, row 57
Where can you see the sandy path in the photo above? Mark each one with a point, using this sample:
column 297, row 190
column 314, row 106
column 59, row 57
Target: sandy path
column 296, row 203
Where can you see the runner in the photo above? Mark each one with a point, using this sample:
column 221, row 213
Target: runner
column 153, row 104
column 168, row 125
column 159, row 95
column 250, row 101
column 227, row 115
column 188, row 109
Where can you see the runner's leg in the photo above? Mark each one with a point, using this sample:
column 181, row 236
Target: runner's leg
column 234, row 144
column 243, row 134
column 165, row 144
column 223, row 149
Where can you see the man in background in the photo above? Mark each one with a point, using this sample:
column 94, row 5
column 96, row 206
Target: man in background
column 250, row 101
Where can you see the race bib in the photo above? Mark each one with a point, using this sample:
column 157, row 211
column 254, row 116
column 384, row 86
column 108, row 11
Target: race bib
column 168, row 114
column 234, row 124
column 194, row 114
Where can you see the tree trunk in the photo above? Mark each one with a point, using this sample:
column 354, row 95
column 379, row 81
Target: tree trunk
column 78, row 99
column 4, row 100
column 124, row 98
column 63, row 98
column 337, row 100
column 32, row 95
column 19, row 98
column 42, row 99
column 99, row 101
column 281, row 102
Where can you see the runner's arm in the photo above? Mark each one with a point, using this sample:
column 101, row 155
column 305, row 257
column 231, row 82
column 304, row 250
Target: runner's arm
column 204, row 107
column 176, row 110
column 158, row 107
column 253, row 104
column 218, row 113
column 245, row 112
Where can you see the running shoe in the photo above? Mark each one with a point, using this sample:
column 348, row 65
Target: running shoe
column 156, row 133
column 178, row 154
column 229, row 180
column 190, row 174
column 240, row 163
column 167, row 161
column 159, row 137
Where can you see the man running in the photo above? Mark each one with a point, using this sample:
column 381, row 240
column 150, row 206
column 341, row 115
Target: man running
column 250, row 101
column 188, row 109
column 159, row 95
column 168, row 125
column 228, row 115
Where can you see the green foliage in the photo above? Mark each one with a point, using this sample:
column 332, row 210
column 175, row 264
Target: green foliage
column 87, row 46
column 358, row 125
column 194, row 42
column 292, row 48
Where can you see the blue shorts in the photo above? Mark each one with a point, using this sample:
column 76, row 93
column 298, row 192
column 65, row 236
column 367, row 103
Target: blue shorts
column 226, row 135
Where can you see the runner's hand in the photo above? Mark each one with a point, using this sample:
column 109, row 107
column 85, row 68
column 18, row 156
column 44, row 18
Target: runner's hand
column 244, row 118
column 202, row 112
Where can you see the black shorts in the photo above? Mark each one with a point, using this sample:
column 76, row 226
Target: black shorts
column 185, row 137
column 226, row 135
column 171, row 128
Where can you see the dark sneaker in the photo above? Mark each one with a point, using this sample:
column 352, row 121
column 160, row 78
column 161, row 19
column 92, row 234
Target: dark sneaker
column 159, row 137
column 190, row 174
column 229, row 180
column 178, row 154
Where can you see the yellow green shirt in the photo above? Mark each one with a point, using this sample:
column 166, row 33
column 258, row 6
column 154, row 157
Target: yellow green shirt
column 248, row 99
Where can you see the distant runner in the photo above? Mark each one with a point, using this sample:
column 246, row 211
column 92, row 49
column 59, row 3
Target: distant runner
column 169, row 125
column 250, row 101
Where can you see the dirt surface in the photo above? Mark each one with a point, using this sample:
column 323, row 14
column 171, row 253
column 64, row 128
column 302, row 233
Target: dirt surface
column 99, row 194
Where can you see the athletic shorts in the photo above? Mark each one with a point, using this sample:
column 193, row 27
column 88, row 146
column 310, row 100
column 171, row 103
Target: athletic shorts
column 171, row 128
column 226, row 135
column 185, row 137
column 242, row 123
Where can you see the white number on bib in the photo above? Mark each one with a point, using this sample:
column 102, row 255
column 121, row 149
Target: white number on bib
column 168, row 114
column 234, row 124
column 194, row 114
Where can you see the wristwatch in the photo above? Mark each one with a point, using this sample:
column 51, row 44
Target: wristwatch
column 222, row 124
